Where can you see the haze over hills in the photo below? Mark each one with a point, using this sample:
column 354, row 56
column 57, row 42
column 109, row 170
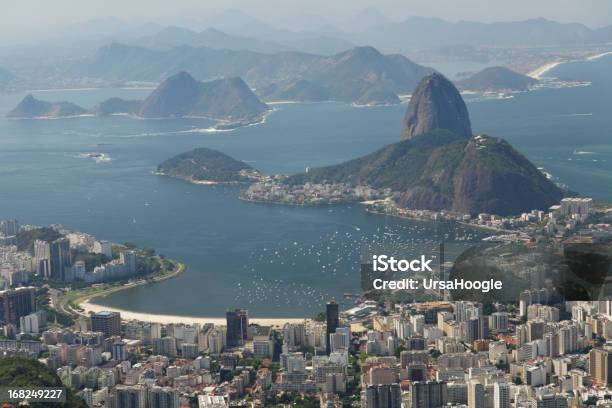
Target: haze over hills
column 31, row 107
column 437, row 169
column 344, row 76
column 227, row 100
column 497, row 79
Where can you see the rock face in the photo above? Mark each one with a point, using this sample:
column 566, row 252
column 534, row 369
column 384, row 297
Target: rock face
column 30, row 107
column 436, row 104
column 222, row 99
column 497, row 79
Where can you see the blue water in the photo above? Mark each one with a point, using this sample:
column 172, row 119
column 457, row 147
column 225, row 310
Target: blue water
column 273, row 260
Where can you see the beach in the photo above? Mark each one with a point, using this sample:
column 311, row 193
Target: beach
column 87, row 307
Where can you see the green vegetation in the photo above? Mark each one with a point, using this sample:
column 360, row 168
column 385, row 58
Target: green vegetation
column 20, row 372
column 205, row 164
column 91, row 260
column 25, row 239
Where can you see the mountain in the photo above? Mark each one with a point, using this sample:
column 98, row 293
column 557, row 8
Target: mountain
column 440, row 170
column 115, row 105
column 221, row 99
column 344, row 76
column 30, row 107
column 377, row 96
column 440, row 166
column 8, row 81
column 170, row 37
column 206, row 165
column 424, row 32
column 497, row 79
column 300, row 91
column 436, row 104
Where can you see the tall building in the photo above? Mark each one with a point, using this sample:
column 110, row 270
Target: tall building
column 237, row 327
column 17, row 303
column 119, row 351
column 430, row 394
column 501, row 395
column 106, row 322
column 60, row 260
column 128, row 258
column 332, row 319
column 600, row 363
column 42, row 258
column 130, row 396
column 383, row 396
column 9, row 227
column 163, row 397
column 476, row 395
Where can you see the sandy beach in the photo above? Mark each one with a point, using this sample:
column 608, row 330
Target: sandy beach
column 540, row 71
column 87, row 306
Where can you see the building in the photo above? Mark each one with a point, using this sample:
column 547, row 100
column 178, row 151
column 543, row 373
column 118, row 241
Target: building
column 600, row 363
column 430, row 394
column 263, row 343
column 476, row 395
column 34, row 322
column 103, row 247
column 501, row 395
column 332, row 319
column 130, row 396
column 106, row 322
column 119, row 351
column 576, row 206
column 60, row 260
column 9, row 227
column 17, row 303
column 237, row 327
column 383, row 396
column 42, row 258
column 163, row 397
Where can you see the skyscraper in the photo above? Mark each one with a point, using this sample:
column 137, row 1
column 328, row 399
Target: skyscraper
column 237, row 324
column 108, row 323
column 332, row 322
column 60, row 260
column 428, row 394
column 383, row 396
column 42, row 258
column 501, row 395
column 16, row 303
column 600, row 365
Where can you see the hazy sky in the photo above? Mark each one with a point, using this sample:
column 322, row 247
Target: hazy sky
column 27, row 15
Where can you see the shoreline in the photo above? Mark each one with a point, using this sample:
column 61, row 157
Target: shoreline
column 167, row 319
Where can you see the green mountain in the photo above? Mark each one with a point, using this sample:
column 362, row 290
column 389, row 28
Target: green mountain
column 443, row 171
column 30, row 107
column 497, row 79
column 207, row 165
column 377, row 95
column 28, row 373
column 222, row 99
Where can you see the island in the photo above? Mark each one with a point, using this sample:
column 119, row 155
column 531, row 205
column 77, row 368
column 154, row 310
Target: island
column 33, row 108
column 208, row 166
column 228, row 101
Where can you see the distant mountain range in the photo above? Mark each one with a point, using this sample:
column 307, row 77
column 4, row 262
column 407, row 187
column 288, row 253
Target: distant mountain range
column 494, row 79
column 441, row 166
column 227, row 100
column 345, row 76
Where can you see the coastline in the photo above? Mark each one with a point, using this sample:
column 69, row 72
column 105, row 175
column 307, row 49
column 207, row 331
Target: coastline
column 167, row 319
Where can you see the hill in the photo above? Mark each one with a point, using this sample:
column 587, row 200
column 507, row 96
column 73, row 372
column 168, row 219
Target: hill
column 30, row 107
column 344, row 76
column 222, row 99
column 21, row 372
column 444, row 171
column 497, row 79
column 204, row 165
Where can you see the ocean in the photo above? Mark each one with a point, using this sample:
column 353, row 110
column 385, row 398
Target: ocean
column 275, row 261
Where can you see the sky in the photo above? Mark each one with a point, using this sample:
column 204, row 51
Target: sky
column 25, row 16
